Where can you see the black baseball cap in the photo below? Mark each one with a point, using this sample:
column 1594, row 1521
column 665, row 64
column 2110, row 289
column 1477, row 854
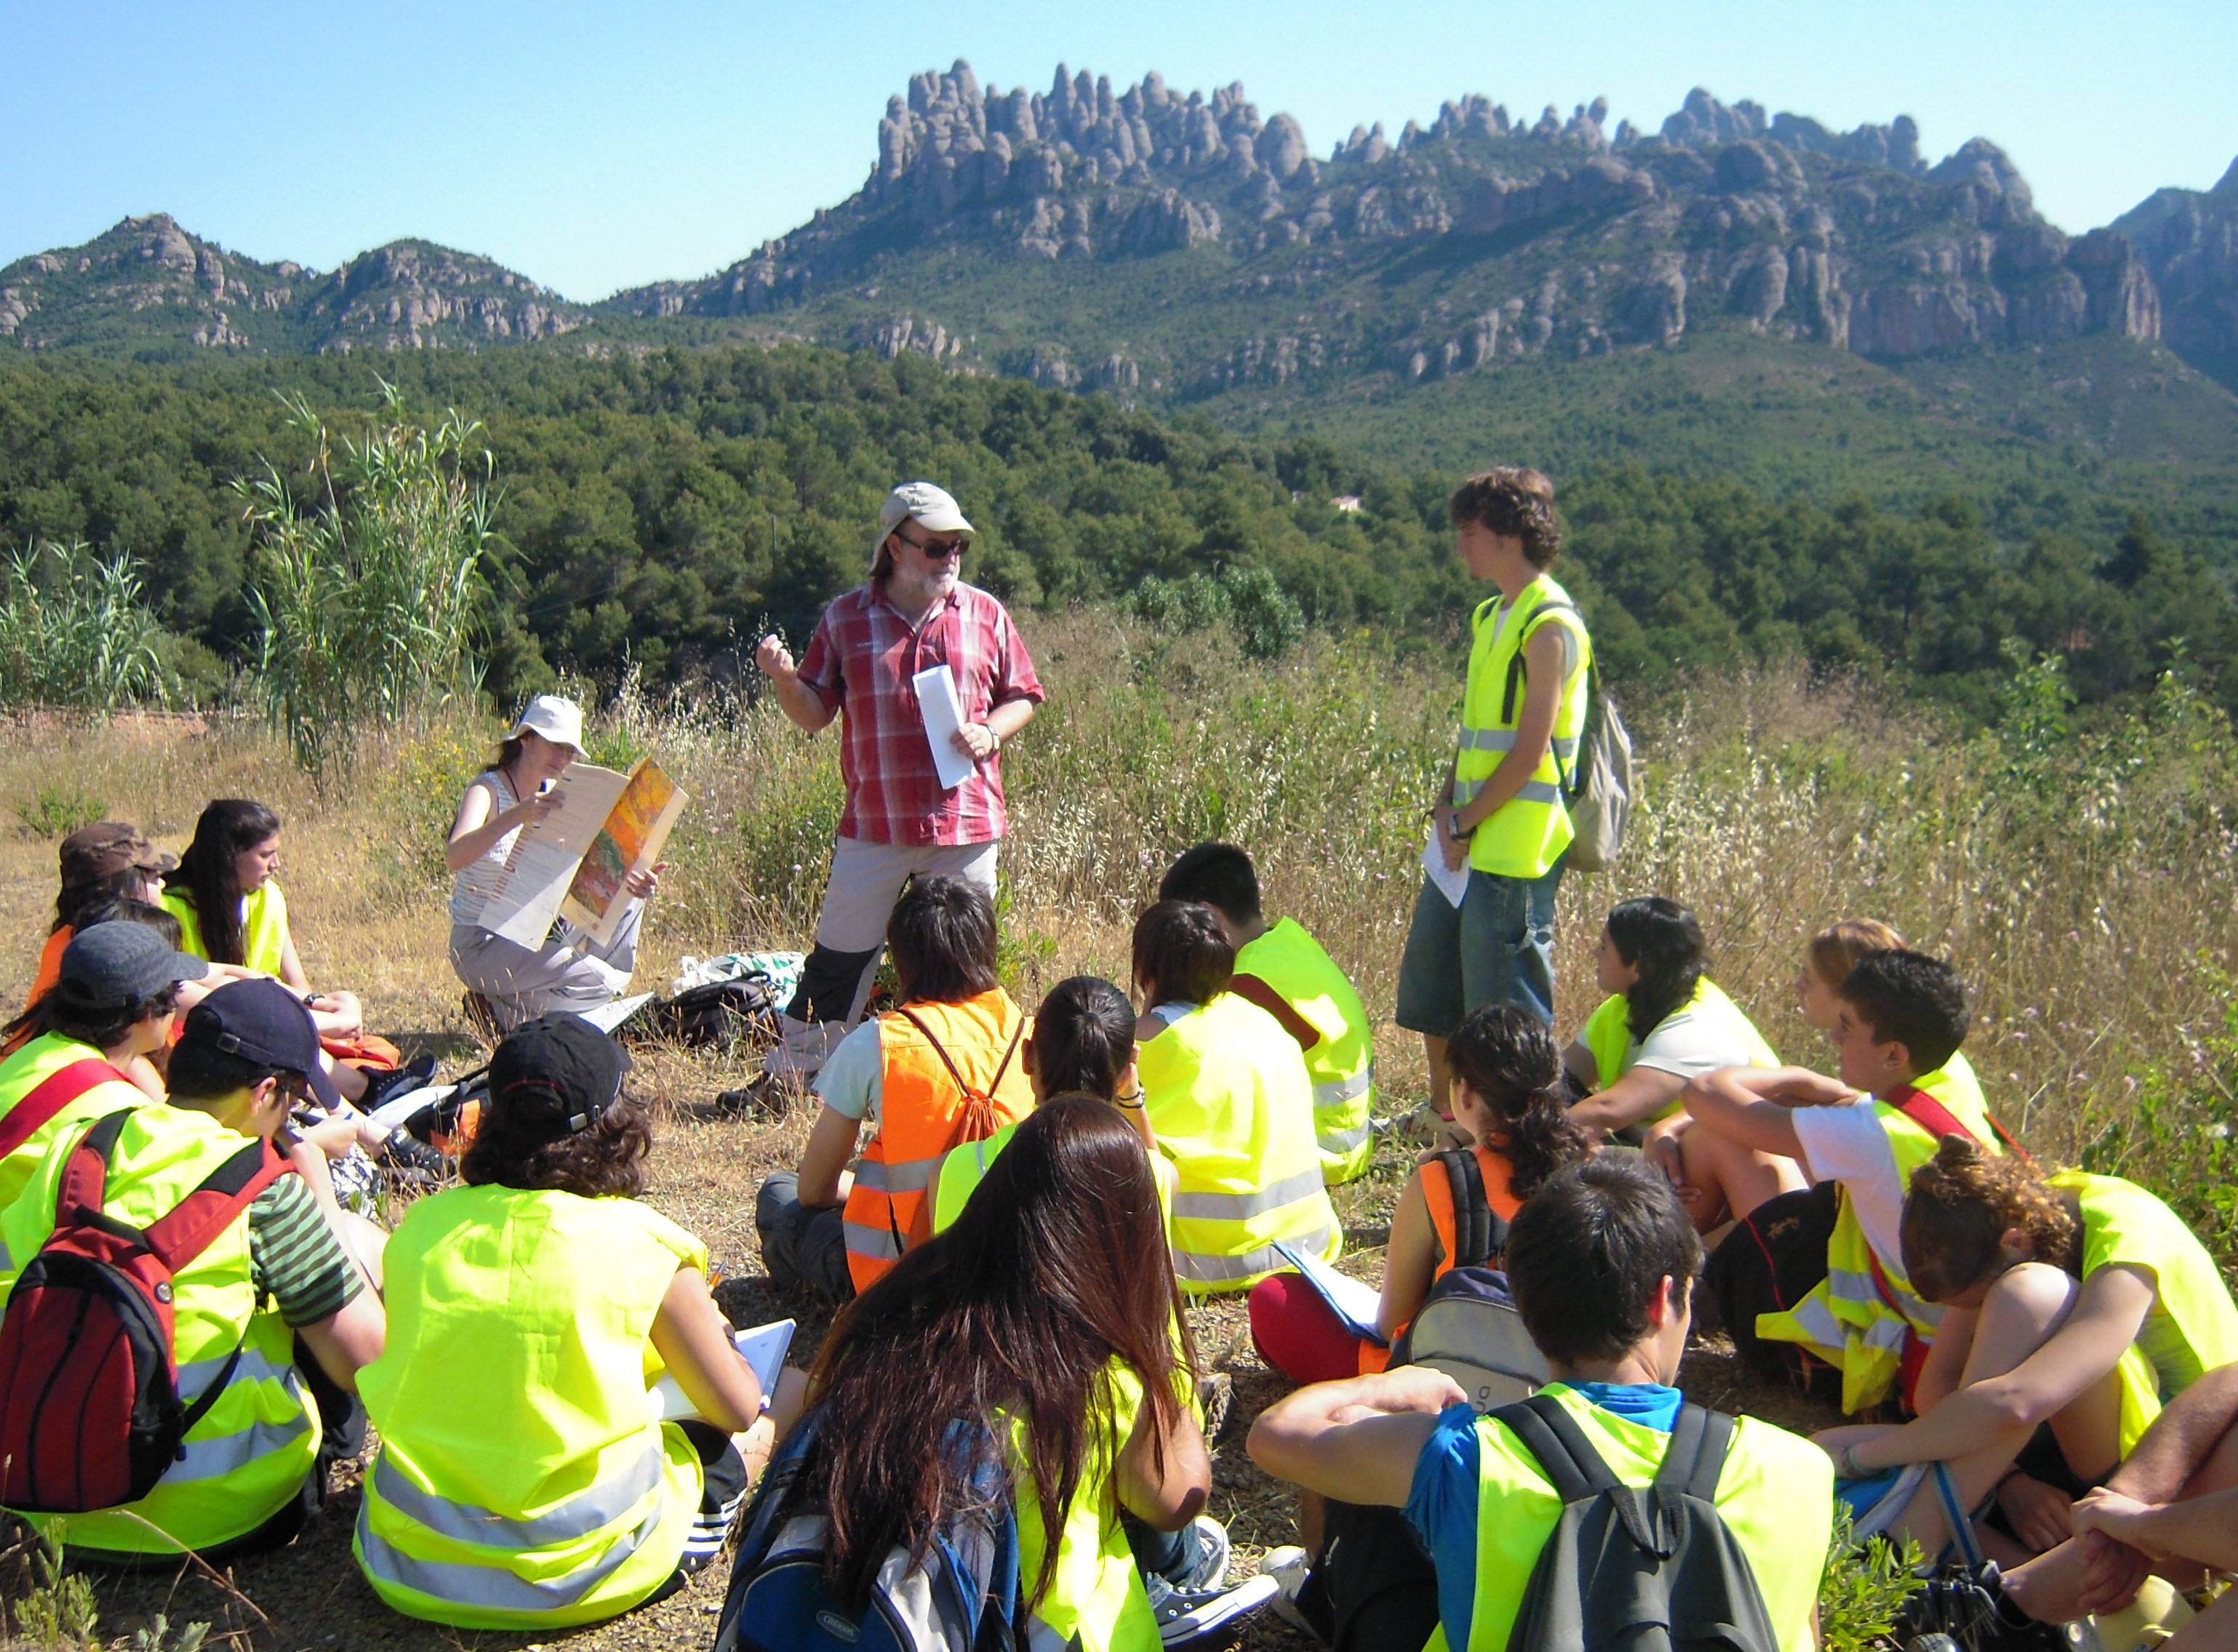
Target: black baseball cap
column 263, row 1023
column 108, row 965
column 557, row 1071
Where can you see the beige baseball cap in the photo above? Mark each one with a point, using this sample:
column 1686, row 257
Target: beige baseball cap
column 923, row 503
column 558, row 721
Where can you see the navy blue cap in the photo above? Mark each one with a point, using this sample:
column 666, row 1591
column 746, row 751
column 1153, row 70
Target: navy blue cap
column 559, row 1072
column 264, row 1023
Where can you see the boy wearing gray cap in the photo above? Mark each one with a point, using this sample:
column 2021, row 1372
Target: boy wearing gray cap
column 913, row 613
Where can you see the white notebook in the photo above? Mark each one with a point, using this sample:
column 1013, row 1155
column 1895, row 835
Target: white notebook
column 764, row 1348
column 1353, row 1301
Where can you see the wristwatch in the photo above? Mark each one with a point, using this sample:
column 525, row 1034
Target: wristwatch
column 992, row 734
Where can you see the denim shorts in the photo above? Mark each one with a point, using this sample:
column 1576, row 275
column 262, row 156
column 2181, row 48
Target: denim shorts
column 1496, row 948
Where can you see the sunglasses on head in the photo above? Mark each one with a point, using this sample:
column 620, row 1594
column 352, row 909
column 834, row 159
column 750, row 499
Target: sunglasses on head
column 936, row 550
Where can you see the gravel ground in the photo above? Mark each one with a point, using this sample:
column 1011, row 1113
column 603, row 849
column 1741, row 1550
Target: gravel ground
column 311, row 1598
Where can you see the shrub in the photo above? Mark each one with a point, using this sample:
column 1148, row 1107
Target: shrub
column 74, row 634
column 58, row 810
column 1864, row 1586
column 367, row 595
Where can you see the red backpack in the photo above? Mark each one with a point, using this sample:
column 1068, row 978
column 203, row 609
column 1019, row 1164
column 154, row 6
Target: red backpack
column 90, row 1415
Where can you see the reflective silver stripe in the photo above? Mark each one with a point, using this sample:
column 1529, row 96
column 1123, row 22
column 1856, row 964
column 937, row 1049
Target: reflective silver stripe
column 1342, row 1142
column 579, row 1516
column 1487, row 740
column 1847, row 1285
column 1337, row 1092
column 863, row 1240
column 225, row 1454
column 468, row 1584
column 1465, row 792
column 1218, row 1270
column 255, row 1366
column 1539, row 791
column 905, row 1176
column 1241, row 1207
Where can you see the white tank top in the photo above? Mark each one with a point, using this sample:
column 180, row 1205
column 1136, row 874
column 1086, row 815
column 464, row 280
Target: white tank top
column 470, row 889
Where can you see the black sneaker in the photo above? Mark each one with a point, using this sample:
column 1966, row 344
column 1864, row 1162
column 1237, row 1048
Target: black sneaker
column 1968, row 1609
column 412, row 1075
column 1202, row 1619
column 412, row 1162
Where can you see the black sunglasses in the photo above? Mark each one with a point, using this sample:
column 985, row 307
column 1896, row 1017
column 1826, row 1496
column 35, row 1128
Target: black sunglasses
column 934, row 550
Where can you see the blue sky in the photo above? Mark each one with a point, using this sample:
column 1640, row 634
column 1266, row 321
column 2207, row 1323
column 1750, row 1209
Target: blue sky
column 595, row 147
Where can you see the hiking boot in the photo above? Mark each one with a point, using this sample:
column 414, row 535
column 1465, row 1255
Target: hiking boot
column 1202, row 1619
column 1968, row 1608
column 1292, row 1569
column 1215, row 1397
column 769, row 1096
column 481, row 1017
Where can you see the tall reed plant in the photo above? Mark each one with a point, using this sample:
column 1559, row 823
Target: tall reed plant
column 366, row 586
column 77, row 633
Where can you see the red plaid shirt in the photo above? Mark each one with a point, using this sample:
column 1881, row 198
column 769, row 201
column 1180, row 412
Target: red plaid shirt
column 860, row 661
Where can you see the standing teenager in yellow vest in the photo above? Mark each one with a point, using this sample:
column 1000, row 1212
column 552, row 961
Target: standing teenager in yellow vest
column 1287, row 973
column 1499, row 813
column 1046, row 1313
column 279, row 1285
column 2076, row 1301
column 941, row 1070
column 113, row 1005
column 1901, row 1020
column 1233, row 1107
column 1603, row 1264
column 523, row 1482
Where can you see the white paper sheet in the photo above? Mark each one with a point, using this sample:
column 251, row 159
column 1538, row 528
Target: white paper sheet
column 608, row 1017
column 392, row 1114
column 944, row 720
column 764, row 1348
column 1352, row 1301
column 542, row 862
column 1451, row 882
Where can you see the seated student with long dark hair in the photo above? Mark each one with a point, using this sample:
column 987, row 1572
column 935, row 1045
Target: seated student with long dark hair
column 1048, row 1312
column 1507, row 1096
column 523, row 1482
column 2074, row 1302
column 941, row 1069
column 1233, row 1106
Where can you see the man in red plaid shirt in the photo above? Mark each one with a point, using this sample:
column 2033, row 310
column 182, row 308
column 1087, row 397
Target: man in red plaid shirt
column 913, row 613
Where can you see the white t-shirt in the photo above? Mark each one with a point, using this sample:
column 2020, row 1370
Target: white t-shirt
column 1689, row 1043
column 1847, row 1144
column 853, row 1078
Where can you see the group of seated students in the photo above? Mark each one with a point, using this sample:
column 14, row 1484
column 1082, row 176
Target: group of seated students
column 1014, row 1212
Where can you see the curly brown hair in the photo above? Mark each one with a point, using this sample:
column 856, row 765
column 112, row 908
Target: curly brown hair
column 515, row 1148
column 1515, row 502
column 1961, row 1203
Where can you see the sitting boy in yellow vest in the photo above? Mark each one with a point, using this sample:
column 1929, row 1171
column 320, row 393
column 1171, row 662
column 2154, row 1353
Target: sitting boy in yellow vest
column 112, row 1004
column 1603, row 1264
column 1227, row 1096
column 1287, row 973
column 278, row 1285
column 943, row 1069
column 1902, row 1087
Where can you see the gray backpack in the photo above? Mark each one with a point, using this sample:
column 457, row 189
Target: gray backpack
column 1600, row 789
column 1635, row 1570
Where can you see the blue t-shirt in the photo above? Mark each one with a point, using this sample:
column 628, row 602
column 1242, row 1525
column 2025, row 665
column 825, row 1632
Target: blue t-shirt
column 1442, row 1505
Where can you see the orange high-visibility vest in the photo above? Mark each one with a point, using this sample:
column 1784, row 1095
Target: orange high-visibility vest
column 951, row 1074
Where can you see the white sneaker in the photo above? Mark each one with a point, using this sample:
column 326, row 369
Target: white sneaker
column 1289, row 1566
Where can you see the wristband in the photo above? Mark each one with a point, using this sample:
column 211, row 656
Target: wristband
column 1132, row 1100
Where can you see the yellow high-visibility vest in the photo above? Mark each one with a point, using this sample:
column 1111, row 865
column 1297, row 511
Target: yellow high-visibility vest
column 1341, row 1064
column 523, row 1481
column 246, row 1458
column 1234, row 1109
column 1527, row 833
column 263, row 926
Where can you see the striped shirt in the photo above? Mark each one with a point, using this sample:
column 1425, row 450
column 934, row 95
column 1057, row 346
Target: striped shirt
column 294, row 1258
column 859, row 664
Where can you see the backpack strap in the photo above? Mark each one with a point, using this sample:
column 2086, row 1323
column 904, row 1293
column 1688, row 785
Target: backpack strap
column 966, row 1120
column 177, row 1239
column 85, row 1179
column 1695, row 1457
column 1547, row 1430
column 54, row 1092
column 1479, row 1233
column 1507, row 699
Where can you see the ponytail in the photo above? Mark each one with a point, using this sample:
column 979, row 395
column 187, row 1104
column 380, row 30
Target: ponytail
column 1962, row 1202
column 1507, row 1058
column 1083, row 1037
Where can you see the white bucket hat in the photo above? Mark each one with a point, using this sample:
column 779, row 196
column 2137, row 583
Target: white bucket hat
column 558, row 721
column 932, row 506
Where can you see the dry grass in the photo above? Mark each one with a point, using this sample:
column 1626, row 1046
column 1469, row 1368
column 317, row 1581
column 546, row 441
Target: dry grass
column 2087, row 887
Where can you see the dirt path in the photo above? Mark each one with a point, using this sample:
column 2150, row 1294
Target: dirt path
column 311, row 1598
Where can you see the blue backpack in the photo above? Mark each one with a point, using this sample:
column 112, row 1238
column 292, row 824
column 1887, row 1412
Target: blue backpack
column 964, row 1596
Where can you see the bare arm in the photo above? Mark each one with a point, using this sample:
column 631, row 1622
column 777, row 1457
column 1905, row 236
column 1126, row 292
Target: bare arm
column 1751, row 1105
column 349, row 1340
column 2181, row 1438
column 1356, row 1440
column 480, row 825
column 693, row 1340
column 1170, row 1498
column 1639, row 1095
column 2107, row 1316
column 291, row 967
column 824, row 1161
column 1410, row 1260
column 802, row 703
column 1534, row 725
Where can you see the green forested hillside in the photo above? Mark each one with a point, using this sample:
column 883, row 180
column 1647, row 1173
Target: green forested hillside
column 662, row 509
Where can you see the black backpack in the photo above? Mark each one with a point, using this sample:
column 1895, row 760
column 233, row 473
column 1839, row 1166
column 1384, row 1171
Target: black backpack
column 721, row 1013
column 1775, row 1257
column 1479, row 1233
column 1634, row 1570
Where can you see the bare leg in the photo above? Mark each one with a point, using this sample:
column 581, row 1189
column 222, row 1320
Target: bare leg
column 1441, row 1077
column 1730, row 1180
